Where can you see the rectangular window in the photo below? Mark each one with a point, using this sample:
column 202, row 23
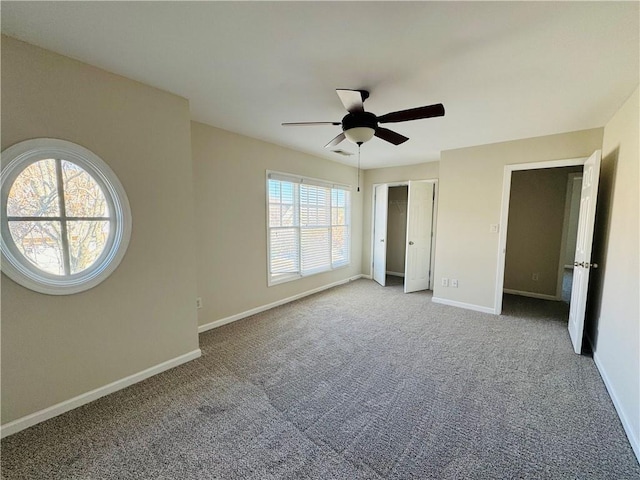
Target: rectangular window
column 308, row 226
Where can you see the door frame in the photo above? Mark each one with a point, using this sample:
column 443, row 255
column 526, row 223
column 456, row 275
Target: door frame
column 405, row 183
column 504, row 214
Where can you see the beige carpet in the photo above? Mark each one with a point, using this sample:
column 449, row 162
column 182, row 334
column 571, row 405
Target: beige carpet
column 358, row 382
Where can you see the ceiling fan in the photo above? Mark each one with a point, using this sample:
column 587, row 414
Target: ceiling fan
column 359, row 126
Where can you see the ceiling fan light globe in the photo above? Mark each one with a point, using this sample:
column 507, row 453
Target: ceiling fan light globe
column 359, row 134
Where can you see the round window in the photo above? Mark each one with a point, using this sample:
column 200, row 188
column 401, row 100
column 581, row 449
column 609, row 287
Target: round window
column 66, row 220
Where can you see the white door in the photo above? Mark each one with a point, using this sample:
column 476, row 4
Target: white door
column 582, row 263
column 419, row 227
column 380, row 234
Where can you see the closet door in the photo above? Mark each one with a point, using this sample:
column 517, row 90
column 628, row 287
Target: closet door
column 380, row 234
column 419, row 245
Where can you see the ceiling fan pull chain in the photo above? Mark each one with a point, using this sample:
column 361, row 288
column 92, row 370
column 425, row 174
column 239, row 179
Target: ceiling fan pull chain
column 359, row 145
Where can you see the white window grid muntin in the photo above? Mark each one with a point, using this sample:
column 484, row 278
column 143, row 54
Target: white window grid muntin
column 16, row 265
column 296, row 181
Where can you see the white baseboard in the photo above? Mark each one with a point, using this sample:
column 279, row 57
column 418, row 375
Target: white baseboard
column 626, row 424
column 395, row 274
column 542, row 296
column 367, row 277
column 253, row 311
column 468, row 306
column 75, row 402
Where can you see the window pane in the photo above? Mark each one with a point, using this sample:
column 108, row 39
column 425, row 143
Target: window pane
column 274, row 215
column 315, row 247
column 288, row 216
column 339, row 198
column 83, row 197
column 314, row 205
column 284, row 251
column 339, row 246
column 274, row 191
column 34, row 193
column 40, row 242
column 339, row 216
column 87, row 240
column 287, row 189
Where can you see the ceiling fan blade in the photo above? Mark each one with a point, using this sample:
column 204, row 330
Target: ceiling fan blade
column 390, row 136
column 429, row 111
column 335, row 141
column 307, row 124
column 353, row 100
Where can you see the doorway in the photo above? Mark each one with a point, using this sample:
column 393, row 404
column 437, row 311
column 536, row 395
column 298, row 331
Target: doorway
column 397, row 230
column 541, row 232
column 584, row 238
column 404, row 219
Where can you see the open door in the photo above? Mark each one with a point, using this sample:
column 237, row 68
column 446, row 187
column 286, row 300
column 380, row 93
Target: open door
column 419, row 227
column 380, row 234
column 582, row 262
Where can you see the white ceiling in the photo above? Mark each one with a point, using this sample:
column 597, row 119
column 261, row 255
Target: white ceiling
column 503, row 70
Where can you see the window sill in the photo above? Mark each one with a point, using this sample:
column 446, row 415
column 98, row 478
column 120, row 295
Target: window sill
column 290, row 278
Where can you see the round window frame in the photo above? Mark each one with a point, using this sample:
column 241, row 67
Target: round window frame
column 19, row 268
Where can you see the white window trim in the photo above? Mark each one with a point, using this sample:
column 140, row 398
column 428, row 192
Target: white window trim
column 288, row 177
column 15, row 159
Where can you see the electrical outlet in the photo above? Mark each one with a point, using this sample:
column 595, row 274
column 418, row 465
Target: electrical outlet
column 445, row 282
column 494, row 227
column 199, row 303
column 534, row 277
column 454, row 283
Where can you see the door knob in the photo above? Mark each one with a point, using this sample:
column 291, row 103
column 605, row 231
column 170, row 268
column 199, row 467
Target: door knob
column 382, row 239
column 410, row 243
column 585, row 264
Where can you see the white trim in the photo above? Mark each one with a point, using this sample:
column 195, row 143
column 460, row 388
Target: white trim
column 626, row 423
column 467, row 306
column 262, row 308
column 395, row 274
column 75, row 402
column 542, row 296
column 367, row 277
column 504, row 215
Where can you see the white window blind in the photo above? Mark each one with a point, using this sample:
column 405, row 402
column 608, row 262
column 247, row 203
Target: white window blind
column 308, row 226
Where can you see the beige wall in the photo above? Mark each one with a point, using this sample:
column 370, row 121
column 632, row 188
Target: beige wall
column 396, row 229
column 534, row 233
column 614, row 310
column 230, row 185
column 422, row 171
column 469, row 201
column 58, row 347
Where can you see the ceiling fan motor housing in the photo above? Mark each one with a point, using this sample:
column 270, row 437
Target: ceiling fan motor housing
column 359, row 119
